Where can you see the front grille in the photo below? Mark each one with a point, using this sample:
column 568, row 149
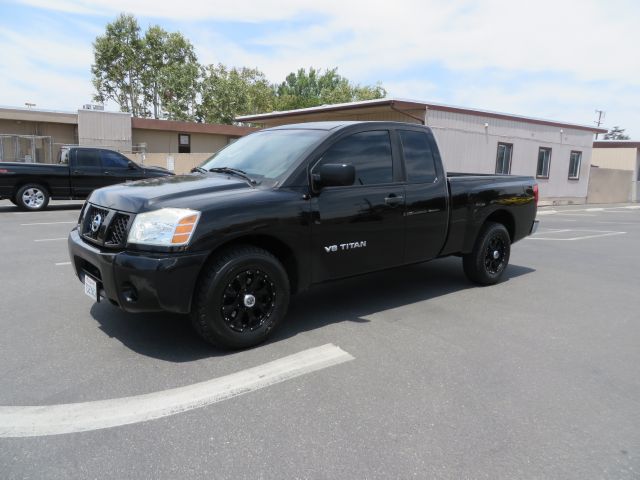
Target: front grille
column 88, row 226
column 117, row 233
column 105, row 227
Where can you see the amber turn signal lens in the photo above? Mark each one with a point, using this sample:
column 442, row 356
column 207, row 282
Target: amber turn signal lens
column 184, row 229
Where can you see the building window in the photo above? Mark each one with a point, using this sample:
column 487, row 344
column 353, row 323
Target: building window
column 184, row 143
column 503, row 161
column 544, row 161
column 574, row 165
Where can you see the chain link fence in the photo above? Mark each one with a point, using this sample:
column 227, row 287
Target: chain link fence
column 28, row 149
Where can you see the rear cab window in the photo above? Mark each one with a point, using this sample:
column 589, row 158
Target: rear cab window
column 418, row 156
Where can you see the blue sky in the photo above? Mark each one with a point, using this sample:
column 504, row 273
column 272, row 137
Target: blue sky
column 557, row 59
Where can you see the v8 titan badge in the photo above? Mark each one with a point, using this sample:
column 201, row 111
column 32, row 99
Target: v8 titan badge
column 345, row 246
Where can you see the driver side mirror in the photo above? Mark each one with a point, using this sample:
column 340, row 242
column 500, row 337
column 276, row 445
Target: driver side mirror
column 334, row 175
column 131, row 165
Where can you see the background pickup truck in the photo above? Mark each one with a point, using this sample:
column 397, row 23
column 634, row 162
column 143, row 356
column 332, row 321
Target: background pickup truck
column 80, row 171
column 288, row 207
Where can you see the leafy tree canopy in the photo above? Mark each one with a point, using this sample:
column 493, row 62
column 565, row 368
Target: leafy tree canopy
column 616, row 133
column 157, row 74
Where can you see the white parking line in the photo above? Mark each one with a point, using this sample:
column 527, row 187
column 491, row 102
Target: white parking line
column 34, row 421
column 50, row 239
column 583, row 237
column 62, row 263
column 44, row 223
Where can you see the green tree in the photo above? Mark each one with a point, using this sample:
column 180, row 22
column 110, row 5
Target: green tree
column 170, row 74
column 616, row 133
column 229, row 92
column 304, row 89
column 117, row 68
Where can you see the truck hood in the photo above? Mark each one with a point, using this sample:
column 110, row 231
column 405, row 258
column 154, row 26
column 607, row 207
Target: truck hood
column 152, row 193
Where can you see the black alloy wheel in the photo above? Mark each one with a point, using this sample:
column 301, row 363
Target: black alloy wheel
column 489, row 258
column 494, row 255
column 241, row 297
column 248, row 301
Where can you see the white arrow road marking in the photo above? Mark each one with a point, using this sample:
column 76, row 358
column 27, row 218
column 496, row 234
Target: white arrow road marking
column 32, row 421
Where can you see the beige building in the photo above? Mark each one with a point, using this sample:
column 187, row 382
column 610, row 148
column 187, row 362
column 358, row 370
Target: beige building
column 615, row 171
column 478, row 141
column 29, row 135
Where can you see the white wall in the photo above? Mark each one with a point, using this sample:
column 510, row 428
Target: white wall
column 468, row 146
column 104, row 129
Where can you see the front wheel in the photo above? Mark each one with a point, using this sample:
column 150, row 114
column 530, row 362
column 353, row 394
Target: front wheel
column 489, row 258
column 242, row 295
column 32, row 197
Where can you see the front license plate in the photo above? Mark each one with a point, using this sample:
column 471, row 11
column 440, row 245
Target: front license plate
column 91, row 287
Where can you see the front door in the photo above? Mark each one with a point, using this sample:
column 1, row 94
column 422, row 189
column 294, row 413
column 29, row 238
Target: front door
column 359, row 228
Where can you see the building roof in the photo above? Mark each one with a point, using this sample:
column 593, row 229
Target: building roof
column 616, row 144
column 33, row 115
column 190, row 127
column 405, row 104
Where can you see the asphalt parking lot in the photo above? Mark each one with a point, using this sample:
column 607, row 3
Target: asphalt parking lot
column 537, row 377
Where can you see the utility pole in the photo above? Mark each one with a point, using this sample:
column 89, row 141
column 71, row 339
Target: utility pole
column 601, row 115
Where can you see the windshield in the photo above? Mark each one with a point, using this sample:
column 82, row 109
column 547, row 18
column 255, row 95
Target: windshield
column 265, row 155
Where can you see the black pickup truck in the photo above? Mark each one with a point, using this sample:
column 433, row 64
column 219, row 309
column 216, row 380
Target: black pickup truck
column 288, row 207
column 79, row 171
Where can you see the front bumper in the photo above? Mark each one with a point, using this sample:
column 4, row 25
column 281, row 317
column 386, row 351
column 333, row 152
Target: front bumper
column 138, row 282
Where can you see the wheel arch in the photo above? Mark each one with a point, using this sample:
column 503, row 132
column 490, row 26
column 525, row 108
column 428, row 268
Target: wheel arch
column 505, row 218
column 278, row 248
column 30, row 181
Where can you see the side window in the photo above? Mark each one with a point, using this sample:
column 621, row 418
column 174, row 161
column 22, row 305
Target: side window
column 368, row 152
column 418, row 157
column 503, row 158
column 86, row 157
column 184, row 143
column 574, row 165
column 113, row 160
column 544, row 160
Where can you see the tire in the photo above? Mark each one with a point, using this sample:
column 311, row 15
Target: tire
column 32, row 197
column 223, row 313
column 489, row 258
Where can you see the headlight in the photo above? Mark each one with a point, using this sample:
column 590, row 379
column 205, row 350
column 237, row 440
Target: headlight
column 168, row 227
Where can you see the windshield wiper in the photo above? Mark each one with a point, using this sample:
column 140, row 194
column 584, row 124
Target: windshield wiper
column 234, row 171
column 198, row 169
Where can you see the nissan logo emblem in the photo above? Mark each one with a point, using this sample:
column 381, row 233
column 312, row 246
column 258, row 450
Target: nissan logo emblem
column 96, row 222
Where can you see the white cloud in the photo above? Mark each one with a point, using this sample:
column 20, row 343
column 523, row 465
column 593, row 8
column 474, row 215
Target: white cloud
column 591, row 45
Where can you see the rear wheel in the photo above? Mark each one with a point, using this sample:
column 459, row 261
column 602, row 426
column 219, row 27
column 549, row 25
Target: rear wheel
column 489, row 258
column 32, row 197
column 241, row 297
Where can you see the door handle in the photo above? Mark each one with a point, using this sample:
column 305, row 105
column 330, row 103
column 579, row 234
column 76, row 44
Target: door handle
column 76, row 172
column 393, row 199
column 106, row 172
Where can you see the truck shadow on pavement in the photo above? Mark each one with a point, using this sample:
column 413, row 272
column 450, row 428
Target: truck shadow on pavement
column 169, row 336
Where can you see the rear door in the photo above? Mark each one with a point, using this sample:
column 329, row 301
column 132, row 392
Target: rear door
column 86, row 171
column 426, row 208
column 118, row 168
column 359, row 228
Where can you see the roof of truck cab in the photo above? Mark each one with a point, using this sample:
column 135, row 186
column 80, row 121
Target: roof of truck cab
column 335, row 125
